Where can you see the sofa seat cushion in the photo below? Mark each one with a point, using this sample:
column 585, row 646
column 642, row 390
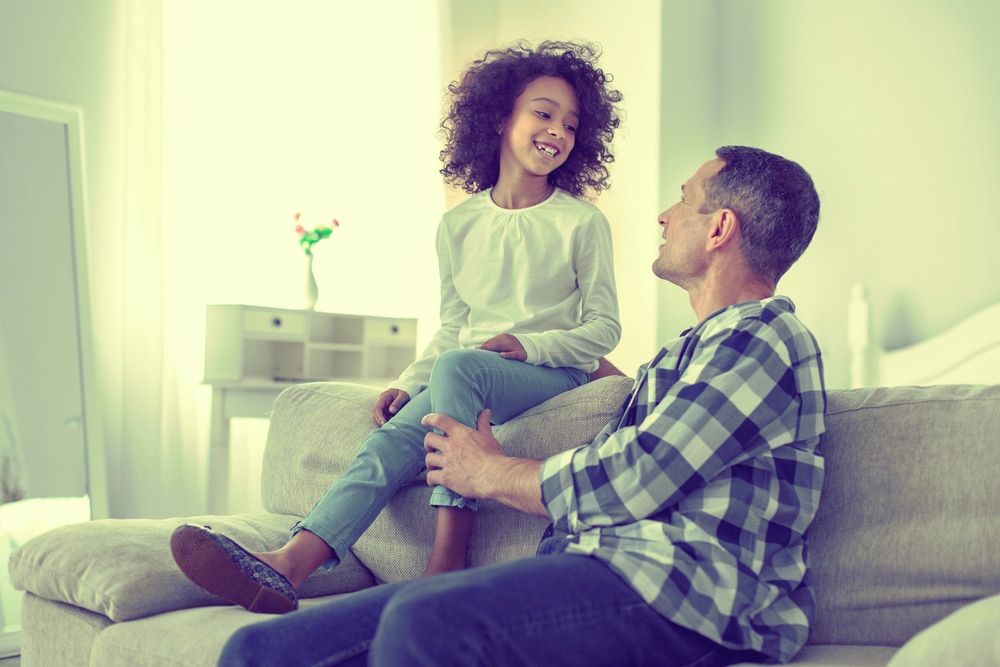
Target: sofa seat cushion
column 61, row 635
column 827, row 655
column 969, row 637
column 55, row 633
column 123, row 568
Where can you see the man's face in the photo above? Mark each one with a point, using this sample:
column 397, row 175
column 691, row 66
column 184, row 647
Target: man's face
column 685, row 230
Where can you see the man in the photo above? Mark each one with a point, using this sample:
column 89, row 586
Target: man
column 677, row 536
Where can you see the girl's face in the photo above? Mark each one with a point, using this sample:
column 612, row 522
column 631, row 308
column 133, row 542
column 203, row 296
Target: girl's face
column 541, row 130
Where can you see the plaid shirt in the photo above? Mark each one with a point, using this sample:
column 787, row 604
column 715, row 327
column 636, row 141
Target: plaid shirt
column 700, row 494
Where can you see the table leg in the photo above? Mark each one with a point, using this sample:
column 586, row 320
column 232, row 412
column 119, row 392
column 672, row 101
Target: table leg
column 218, row 455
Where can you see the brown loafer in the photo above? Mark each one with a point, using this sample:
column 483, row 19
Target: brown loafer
column 224, row 568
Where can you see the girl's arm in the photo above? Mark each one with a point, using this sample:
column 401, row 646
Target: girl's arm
column 599, row 330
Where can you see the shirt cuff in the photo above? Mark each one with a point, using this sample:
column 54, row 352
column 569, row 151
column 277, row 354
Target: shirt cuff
column 559, row 491
column 530, row 348
column 411, row 388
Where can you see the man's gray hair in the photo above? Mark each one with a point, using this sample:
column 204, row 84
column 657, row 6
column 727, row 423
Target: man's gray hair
column 775, row 201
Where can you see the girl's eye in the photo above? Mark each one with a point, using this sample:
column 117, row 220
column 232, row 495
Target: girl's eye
column 543, row 114
column 570, row 128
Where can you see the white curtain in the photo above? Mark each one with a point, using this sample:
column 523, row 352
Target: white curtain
column 236, row 116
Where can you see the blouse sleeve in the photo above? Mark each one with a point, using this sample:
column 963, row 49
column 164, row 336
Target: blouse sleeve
column 600, row 329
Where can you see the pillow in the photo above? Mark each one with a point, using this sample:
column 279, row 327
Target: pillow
column 123, row 568
column 969, row 637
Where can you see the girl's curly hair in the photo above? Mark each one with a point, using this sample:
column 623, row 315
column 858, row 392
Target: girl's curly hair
column 483, row 100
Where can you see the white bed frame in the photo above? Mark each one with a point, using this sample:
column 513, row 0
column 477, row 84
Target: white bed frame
column 966, row 353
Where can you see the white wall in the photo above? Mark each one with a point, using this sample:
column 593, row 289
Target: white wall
column 629, row 35
column 304, row 107
column 892, row 107
column 307, row 107
column 268, row 110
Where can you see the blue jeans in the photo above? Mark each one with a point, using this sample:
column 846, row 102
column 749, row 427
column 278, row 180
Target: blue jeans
column 551, row 610
column 462, row 384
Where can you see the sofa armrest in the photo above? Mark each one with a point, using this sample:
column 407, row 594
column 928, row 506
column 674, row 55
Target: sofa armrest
column 123, row 568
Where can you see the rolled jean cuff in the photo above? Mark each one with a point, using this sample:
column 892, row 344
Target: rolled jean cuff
column 442, row 496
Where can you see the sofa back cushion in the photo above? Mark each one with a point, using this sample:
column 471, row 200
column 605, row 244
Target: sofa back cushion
column 908, row 528
column 317, row 428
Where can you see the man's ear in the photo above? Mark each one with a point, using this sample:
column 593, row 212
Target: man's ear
column 725, row 227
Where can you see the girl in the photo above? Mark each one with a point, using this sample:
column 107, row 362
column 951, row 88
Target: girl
column 528, row 306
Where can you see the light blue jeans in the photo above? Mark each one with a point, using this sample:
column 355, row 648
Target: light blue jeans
column 546, row 611
column 462, row 384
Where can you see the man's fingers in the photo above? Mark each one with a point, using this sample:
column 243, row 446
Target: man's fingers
column 432, row 442
column 439, row 421
column 432, row 460
column 447, row 425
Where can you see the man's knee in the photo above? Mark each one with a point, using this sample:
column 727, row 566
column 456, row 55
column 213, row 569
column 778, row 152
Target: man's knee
column 241, row 647
column 410, row 629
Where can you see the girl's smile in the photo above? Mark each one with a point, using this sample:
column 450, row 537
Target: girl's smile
column 548, row 149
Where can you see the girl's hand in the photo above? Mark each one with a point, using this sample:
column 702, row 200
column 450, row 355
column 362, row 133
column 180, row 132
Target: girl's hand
column 507, row 345
column 389, row 402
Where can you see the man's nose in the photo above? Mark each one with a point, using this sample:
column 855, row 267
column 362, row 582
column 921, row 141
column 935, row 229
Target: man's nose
column 666, row 215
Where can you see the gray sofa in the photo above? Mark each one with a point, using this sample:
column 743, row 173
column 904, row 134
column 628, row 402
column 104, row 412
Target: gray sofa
column 905, row 549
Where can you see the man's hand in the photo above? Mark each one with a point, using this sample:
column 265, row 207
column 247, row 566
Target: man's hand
column 471, row 462
column 389, row 403
column 507, row 345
